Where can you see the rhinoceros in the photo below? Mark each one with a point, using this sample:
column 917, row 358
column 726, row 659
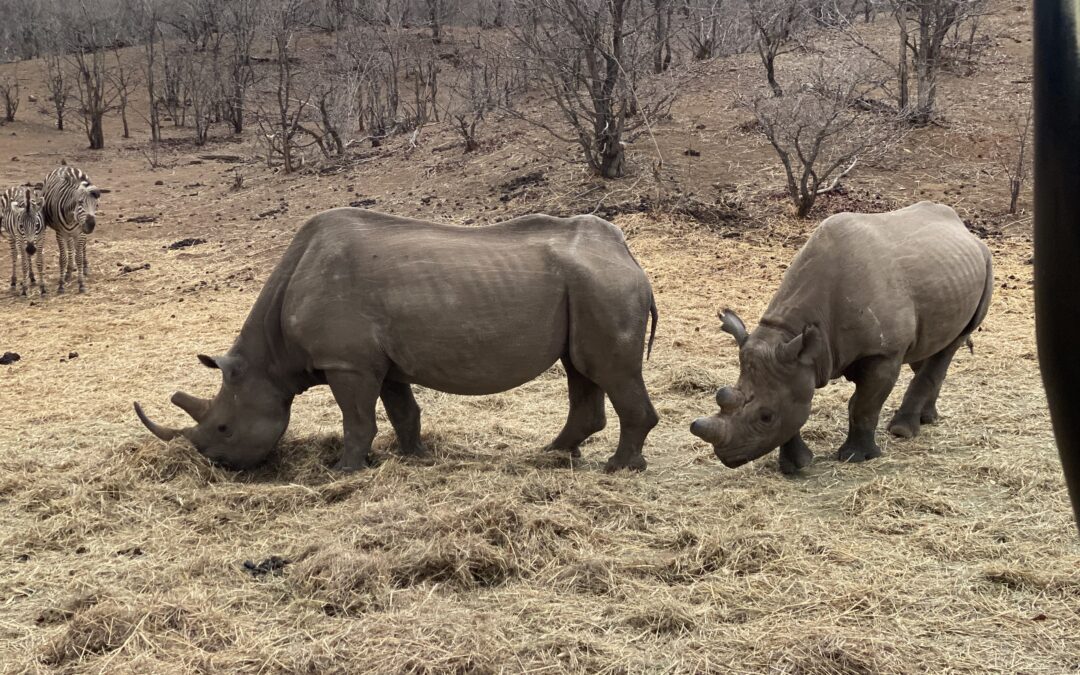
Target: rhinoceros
column 371, row 304
column 866, row 294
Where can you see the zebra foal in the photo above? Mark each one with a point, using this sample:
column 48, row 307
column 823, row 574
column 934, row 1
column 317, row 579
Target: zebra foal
column 21, row 221
column 70, row 208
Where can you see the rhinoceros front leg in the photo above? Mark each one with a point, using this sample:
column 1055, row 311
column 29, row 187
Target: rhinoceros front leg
column 874, row 379
column 356, row 394
column 920, row 400
column 404, row 414
column 795, row 455
column 586, row 416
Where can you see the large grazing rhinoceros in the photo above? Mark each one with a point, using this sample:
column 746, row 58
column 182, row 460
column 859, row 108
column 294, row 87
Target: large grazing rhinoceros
column 372, row 304
column 866, row 294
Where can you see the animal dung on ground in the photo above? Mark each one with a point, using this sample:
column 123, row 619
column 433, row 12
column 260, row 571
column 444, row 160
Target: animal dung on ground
column 129, row 268
column 185, row 243
column 272, row 565
column 8, row 358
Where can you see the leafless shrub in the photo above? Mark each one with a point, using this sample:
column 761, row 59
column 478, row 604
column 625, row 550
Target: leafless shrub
column 9, row 92
column 1013, row 154
column 818, row 130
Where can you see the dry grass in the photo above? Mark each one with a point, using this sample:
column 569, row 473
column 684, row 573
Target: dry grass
column 122, row 554
column 954, row 552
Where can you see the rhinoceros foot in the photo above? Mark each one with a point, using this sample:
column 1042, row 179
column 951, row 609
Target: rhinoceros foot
column 418, row 454
column 794, row 455
column 857, row 452
column 616, row 463
column 348, row 465
column 574, row 451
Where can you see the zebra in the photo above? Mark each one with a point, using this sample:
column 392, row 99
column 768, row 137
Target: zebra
column 70, row 208
column 21, row 221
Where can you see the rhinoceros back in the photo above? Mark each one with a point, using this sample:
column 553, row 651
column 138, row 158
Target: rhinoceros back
column 911, row 280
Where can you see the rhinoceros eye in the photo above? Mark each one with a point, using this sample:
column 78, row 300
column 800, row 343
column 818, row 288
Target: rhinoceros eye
column 766, row 416
column 223, row 429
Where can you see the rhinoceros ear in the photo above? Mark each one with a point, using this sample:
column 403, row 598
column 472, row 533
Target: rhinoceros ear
column 810, row 349
column 230, row 366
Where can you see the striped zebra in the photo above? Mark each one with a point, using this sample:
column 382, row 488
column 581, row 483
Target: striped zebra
column 21, row 221
column 70, row 207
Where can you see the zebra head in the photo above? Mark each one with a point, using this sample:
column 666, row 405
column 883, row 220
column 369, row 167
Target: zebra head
column 241, row 425
column 86, row 198
column 25, row 209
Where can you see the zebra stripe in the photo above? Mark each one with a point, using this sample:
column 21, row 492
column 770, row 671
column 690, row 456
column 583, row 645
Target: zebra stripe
column 22, row 223
column 70, row 208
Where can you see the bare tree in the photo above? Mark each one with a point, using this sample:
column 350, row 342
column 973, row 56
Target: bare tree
column 59, row 86
column 922, row 28
column 774, row 21
column 662, row 11
column 924, row 25
column 1014, row 154
column 584, row 54
column 241, row 24
column 438, row 12
column 280, row 126
column 469, row 100
column 818, row 132
column 9, row 92
column 89, row 32
column 122, row 77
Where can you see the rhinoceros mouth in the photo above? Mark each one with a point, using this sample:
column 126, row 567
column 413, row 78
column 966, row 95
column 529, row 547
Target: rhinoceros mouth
column 727, row 460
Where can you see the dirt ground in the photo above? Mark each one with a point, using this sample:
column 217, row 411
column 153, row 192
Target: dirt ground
column 953, row 552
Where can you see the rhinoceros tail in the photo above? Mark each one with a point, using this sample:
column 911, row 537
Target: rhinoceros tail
column 652, row 334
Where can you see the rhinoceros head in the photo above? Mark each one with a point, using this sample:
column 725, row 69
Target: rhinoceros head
column 771, row 400
column 241, row 425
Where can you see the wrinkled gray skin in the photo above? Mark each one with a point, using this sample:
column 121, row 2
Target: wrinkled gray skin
column 865, row 295
column 372, row 304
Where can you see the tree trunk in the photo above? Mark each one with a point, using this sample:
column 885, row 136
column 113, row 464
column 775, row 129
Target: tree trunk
column 612, row 159
column 769, row 59
column 902, row 97
column 94, row 132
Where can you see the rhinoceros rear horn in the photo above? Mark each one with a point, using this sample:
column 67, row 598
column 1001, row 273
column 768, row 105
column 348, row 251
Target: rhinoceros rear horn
column 731, row 323
column 164, row 433
column 192, row 405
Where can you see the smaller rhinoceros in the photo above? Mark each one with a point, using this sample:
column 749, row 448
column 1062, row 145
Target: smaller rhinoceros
column 372, row 304
column 866, row 294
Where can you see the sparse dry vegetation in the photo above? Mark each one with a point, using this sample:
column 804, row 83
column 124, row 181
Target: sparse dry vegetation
column 954, row 552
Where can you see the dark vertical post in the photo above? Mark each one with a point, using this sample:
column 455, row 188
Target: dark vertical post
column 1057, row 224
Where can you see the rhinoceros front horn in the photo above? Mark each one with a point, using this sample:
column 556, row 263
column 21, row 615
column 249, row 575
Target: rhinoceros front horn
column 192, row 405
column 164, row 433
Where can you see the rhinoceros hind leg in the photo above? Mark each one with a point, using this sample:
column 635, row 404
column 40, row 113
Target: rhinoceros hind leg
column 637, row 417
column 795, row 455
column 404, row 414
column 874, row 379
column 356, row 394
column 586, row 416
column 920, row 400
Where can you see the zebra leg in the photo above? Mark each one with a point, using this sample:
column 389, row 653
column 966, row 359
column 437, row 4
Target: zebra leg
column 86, row 260
column 41, row 268
column 80, row 252
column 14, row 263
column 72, row 247
column 25, row 267
column 60, row 245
